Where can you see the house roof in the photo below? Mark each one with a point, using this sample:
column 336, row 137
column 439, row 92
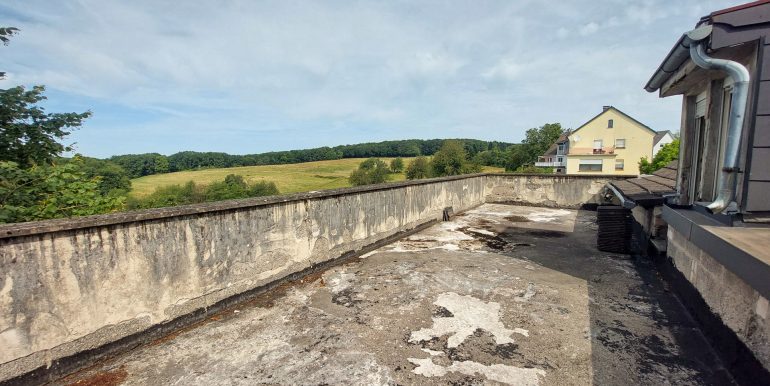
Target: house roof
column 739, row 7
column 649, row 189
column 659, row 135
column 727, row 21
column 618, row 111
column 562, row 138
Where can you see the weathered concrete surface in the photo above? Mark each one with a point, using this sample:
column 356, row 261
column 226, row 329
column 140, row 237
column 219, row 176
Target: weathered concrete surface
column 500, row 295
column 739, row 306
column 64, row 292
column 548, row 190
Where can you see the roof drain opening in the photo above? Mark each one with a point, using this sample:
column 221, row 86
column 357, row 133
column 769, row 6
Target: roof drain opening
column 448, row 213
column 730, row 167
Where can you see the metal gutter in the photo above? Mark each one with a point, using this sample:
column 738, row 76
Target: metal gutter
column 676, row 57
column 671, row 63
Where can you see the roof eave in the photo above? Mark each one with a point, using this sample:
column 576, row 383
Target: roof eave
column 678, row 55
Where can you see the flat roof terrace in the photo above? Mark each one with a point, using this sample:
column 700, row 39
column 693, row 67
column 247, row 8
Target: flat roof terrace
column 501, row 294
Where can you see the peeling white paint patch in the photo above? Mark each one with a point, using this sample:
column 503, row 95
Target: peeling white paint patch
column 340, row 281
column 427, row 368
column 482, row 231
column 365, row 255
column 400, row 247
column 468, row 315
column 450, row 247
column 432, row 352
column 762, row 307
column 511, row 375
column 548, row 215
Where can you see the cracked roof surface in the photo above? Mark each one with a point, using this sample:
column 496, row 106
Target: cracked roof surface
column 499, row 295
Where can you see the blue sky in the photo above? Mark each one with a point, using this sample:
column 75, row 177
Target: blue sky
column 254, row 76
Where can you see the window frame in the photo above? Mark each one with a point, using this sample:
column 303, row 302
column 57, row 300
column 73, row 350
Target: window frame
column 590, row 165
column 622, row 164
column 610, row 123
column 616, row 143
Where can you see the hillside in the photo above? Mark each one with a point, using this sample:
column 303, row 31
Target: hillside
column 139, row 165
column 290, row 178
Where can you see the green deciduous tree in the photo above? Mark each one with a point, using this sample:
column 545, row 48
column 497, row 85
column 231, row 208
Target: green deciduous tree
column 45, row 192
column 371, row 171
column 452, row 160
column 29, row 135
column 6, row 33
column 139, row 165
column 113, row 179
column 666, row 154
column 5, row 38
column 397, row 165
column 492, row 157
column 419, row 168
column 537, row 140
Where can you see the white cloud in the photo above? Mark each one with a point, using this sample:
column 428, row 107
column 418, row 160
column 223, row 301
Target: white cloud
column 219, row 72
column 589, row 29
column 505, row 69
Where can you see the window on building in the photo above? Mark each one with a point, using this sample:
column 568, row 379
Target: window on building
column 560, row 148
column 598, row 144
column 619, row 164
column 610, row 123
column 590, row 165
column 560, row 159
column 620, row 143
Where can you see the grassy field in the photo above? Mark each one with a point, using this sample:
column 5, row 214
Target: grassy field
column 291, row 178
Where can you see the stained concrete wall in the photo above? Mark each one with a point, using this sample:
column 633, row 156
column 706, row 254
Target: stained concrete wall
column 548, row 190
column 739, row 306
column 69, row 286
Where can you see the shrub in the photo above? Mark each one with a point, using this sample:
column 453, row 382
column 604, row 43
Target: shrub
column 46, row 192
column 233, row 187
column 397, row 165
column 534, row 170
column 371, row 171
column 419, row 168
column 452, row 160
column 666, row 154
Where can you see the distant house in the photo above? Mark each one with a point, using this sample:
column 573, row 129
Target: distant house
column 556, row 155
column 610, row 143
column 661, row 138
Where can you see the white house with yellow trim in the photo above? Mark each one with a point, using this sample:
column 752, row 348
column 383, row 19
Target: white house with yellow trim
column 610, row 143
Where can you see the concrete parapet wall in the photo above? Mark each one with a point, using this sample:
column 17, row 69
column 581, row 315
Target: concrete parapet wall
column 73, row 285
column 551, row 190
column 737, row 304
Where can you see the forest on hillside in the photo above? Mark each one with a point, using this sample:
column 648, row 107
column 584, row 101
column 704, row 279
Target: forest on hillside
column 139, row 165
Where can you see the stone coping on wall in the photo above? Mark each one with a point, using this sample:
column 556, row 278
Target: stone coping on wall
column 64, row 224
column 733, row 247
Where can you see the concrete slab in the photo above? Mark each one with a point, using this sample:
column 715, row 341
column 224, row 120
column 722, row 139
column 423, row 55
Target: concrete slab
column 499, row 295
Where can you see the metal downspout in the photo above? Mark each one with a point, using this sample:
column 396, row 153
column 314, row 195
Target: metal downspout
column 739, row 73
column 624, row 202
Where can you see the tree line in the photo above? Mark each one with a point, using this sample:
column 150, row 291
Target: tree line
column 450, row 160
column 138, row 165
